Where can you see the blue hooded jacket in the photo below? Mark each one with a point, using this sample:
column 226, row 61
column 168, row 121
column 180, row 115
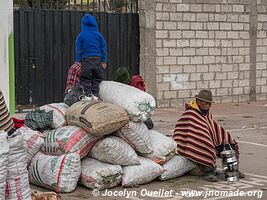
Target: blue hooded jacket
column 90, row 42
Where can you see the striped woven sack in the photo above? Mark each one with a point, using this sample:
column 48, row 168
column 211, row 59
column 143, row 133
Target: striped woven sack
column 68, row 139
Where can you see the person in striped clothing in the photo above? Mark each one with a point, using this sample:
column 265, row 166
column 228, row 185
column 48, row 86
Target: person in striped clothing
column 6, row 123
column 199, row 138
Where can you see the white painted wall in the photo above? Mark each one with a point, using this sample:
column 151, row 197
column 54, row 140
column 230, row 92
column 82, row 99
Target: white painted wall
column 6, row 24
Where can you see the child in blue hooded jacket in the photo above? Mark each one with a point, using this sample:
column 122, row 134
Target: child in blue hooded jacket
column 91, row 51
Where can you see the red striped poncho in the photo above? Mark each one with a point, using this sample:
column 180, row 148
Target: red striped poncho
column 197, row 137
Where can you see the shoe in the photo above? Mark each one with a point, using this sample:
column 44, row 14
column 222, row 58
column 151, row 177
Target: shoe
column 210, row 177
column 241, row 175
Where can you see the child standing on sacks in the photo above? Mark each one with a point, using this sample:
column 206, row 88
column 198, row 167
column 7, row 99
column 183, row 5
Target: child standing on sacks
column 91, row 51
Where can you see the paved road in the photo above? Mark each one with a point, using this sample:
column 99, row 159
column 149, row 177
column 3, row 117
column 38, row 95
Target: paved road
column 246, row 122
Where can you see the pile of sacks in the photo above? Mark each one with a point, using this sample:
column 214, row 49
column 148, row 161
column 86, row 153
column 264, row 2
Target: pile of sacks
column 101, row 144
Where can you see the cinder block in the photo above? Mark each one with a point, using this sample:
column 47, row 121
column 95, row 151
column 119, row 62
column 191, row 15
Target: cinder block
column 221, row 75
column 195, row 77
column 162, row 51
column 202, row 68
column 226, row 43
column 202, row 85
column 196, row 8
column 176, row 52
column 237, row 26
column 214, row 51
column 182, row 7
column 169, row 25
column 215, row 68
column 232, row 17
column 189, row 68
column 170, row 94
column 232, row 35
column 244, row 18
column 158, row 6
column 176, row 16
column 189, row 16
column 208, row 76
column 261, row 81
column 202, row 51
column 237, row 91
column 244, row 51
column 227, row 67
column 226, row 8
column 159, row 60
column 161, row 69
column 175, row 34
column 161, row 34
column 222, row 92
column 163, row 86
column 215, row 83
column 158, row 43
column 183, row 43
column 188, row 34
column 232, row 75
column 162, row 16
column 159, row 25
column 176, row 69
column 202, row 17
column 244, row 82
column 202, row 34
column 220, row 34
column 238, row 43
column 196, row 43
column 209, row 59
column 209, row 8
column 169, row 60
column 168, row 7
column 184, row 94
column 196, row 60
column 189, row 51
column 220, row 17
column 227, row 83
column 183, row 25
column 238, row 8
column 196, row 26
column 169, row 43
column 208, row 43
column 213, row 26
column 163, row 103
column 183, row 60
column 225, row 26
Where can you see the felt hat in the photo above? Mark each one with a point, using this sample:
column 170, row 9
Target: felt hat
column 122, row 75
column 205, row 95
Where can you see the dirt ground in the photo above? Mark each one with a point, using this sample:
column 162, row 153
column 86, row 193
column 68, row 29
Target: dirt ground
column 247, row 122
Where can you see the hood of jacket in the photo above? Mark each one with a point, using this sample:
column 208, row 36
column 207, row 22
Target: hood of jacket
column 88, row 22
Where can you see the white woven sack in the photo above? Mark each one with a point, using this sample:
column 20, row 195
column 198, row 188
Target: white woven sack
column 137, row 135
column 176, row 167
column 17, row 184
column 99, row 175
column 114, row 150
column 33, row 140
column 59, row 110
column 68, row 139
column 58, row 173
column 144, row 173
column 4, row 148
column 164, row 148
column 139, row 105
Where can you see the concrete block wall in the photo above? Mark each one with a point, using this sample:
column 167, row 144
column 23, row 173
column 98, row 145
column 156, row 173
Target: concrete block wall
column 215, row 44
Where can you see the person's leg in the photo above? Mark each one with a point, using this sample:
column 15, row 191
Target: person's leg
column 98, row 75
column 86, row 76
